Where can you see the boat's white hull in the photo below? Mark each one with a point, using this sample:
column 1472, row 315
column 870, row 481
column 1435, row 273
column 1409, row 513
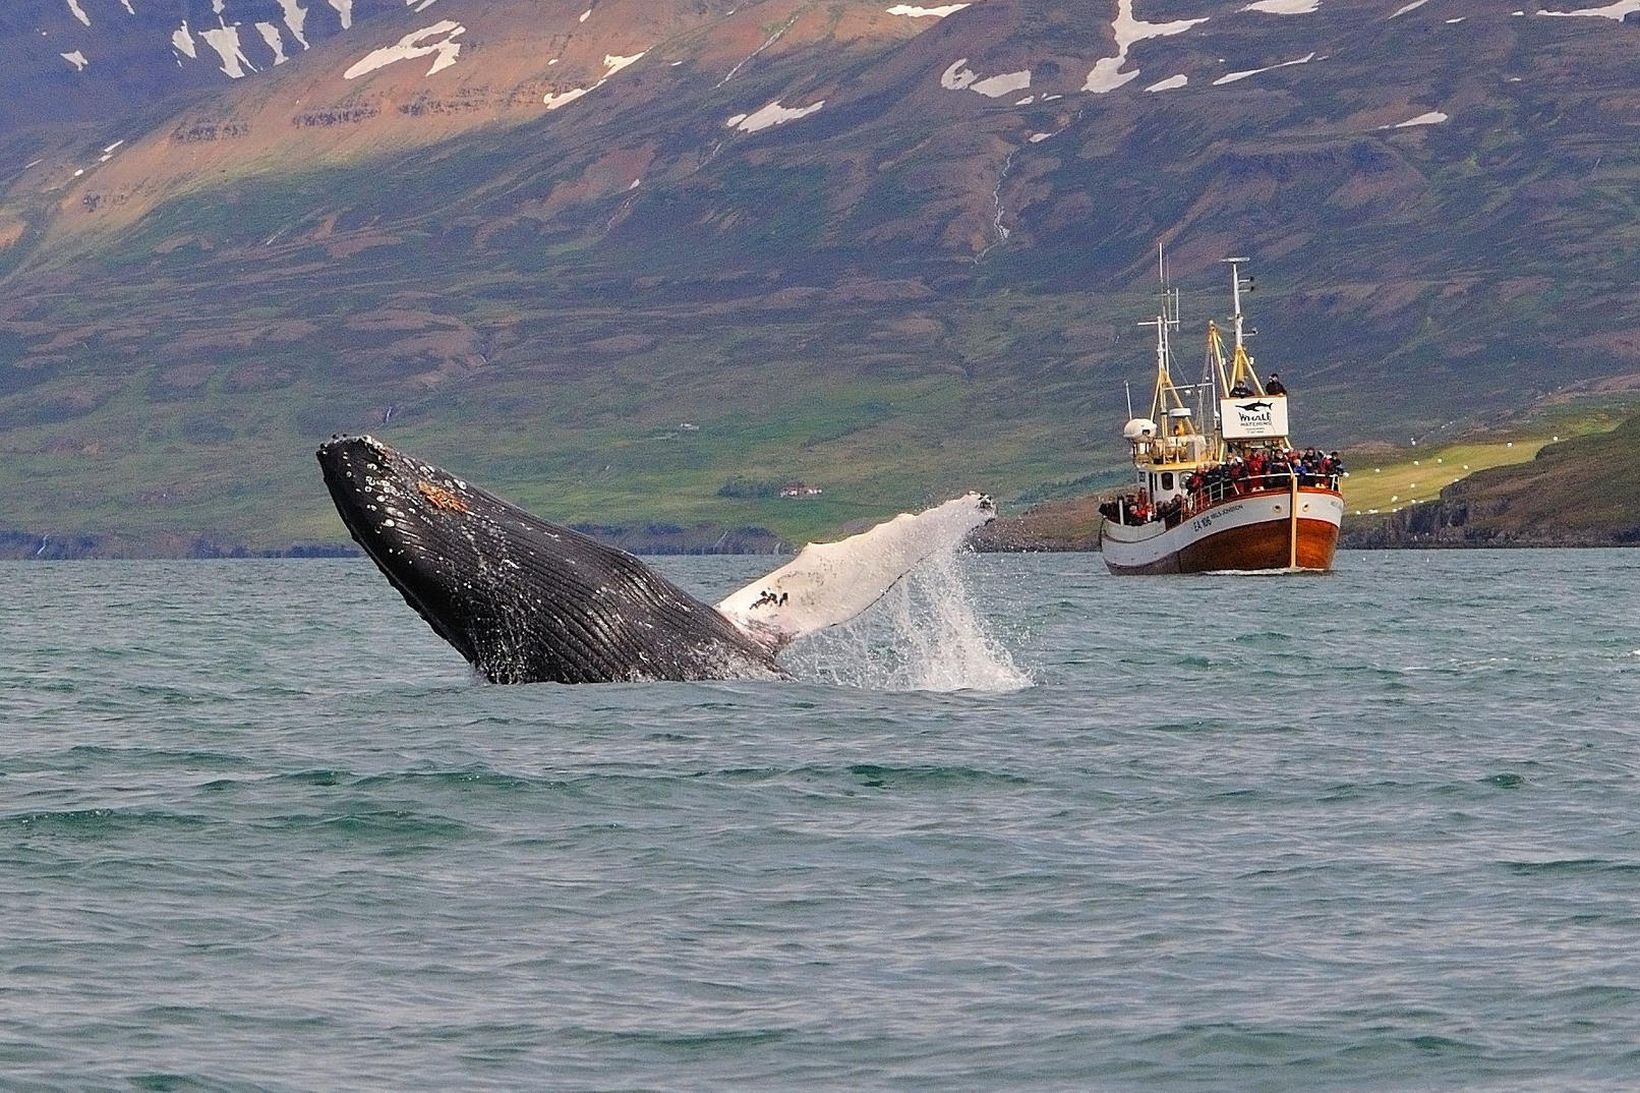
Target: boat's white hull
column 1249, row 533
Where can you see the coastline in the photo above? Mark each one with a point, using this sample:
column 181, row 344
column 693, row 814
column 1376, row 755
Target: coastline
column 1063, row 526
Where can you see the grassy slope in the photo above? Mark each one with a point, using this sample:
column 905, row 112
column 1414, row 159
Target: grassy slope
column 1405, row 480
column 1583, row 486
column 1384, row 480
column 1575, row 492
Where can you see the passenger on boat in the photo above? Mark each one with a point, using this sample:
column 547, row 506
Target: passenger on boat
column 1218, row 481
column 1241, row 390
column 1122, row 510
column 1332, row 469
column 1274, row 386
column 1255, row 468
column 1280, row 470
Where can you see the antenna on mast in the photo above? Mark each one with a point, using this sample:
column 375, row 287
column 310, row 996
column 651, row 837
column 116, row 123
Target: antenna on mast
column 1237, row 283
column 1166, row 320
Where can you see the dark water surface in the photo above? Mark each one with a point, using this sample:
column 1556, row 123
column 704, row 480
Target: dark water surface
column 259, row 827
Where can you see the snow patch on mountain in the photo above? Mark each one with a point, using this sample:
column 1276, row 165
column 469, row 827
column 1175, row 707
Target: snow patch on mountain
column 344, row 8
column 1434, row 117
column 1107, row 74
column 1283, row 7
column 1169, row 84
column 1414, row 6
column 997, row 86
column 77, row 59
column 225, row 41
column 555, row 99
column 1617, row 11
column 275, row 40
column 1235, row 76
column 612, row 64
column 444, row 48
column 911, row 11
column 183, row 42
column 959, row 77
column 295, row 20
column 771, row 115
column 78, row 12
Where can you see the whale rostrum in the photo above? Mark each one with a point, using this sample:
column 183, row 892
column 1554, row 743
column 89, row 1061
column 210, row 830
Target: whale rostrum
column 526, row 600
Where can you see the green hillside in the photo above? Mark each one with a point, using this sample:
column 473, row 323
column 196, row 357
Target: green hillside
column 1579, row 492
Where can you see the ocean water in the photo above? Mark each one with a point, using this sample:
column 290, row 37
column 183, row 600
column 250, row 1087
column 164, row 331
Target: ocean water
column 1028, row 825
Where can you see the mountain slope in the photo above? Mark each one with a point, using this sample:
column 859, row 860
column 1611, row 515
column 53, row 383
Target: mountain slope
column 895, row 254
column 1580, row 492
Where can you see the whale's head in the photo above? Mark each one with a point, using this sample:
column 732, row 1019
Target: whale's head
column 521, row 598
column 417, row 523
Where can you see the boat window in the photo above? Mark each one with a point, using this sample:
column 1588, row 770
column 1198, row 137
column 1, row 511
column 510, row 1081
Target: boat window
column 1167, row 480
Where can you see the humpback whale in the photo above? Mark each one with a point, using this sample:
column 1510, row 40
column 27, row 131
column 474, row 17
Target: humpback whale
column 525, row 600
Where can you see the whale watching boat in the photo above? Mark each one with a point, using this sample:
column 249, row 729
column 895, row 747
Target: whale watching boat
column 1218, row 484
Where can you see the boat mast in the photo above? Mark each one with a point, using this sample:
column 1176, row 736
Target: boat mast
column 1235, row 265
column 1241, row 364
column 1167, row 395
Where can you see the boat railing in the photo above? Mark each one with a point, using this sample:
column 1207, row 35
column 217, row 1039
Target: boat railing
column 1228, row 489
column 1225, row 489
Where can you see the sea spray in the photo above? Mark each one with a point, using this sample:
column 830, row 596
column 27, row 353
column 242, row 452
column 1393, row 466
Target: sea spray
column 926, row 634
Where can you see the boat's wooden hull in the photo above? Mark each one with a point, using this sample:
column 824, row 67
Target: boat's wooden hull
column 1251, row 533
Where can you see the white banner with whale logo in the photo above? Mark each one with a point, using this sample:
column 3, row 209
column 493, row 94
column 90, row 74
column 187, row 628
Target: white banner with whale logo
column 1252, row 418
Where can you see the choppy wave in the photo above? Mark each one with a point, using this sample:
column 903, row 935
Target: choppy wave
column 102, row 821
column 1368, row 832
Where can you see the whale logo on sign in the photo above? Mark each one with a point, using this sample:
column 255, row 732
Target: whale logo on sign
column 1253, row 418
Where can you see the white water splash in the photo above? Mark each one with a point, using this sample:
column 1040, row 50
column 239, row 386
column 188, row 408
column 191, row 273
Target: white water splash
column 925, row 635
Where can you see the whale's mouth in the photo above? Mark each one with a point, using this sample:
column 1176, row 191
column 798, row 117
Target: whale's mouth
column 387, row 503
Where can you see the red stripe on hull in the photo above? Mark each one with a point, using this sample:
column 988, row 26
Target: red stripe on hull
column 1252, row 547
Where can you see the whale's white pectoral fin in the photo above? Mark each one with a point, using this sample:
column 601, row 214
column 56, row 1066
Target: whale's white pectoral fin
column 828, row 584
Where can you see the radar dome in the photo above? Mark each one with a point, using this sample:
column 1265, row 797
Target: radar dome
column 1139, row 428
